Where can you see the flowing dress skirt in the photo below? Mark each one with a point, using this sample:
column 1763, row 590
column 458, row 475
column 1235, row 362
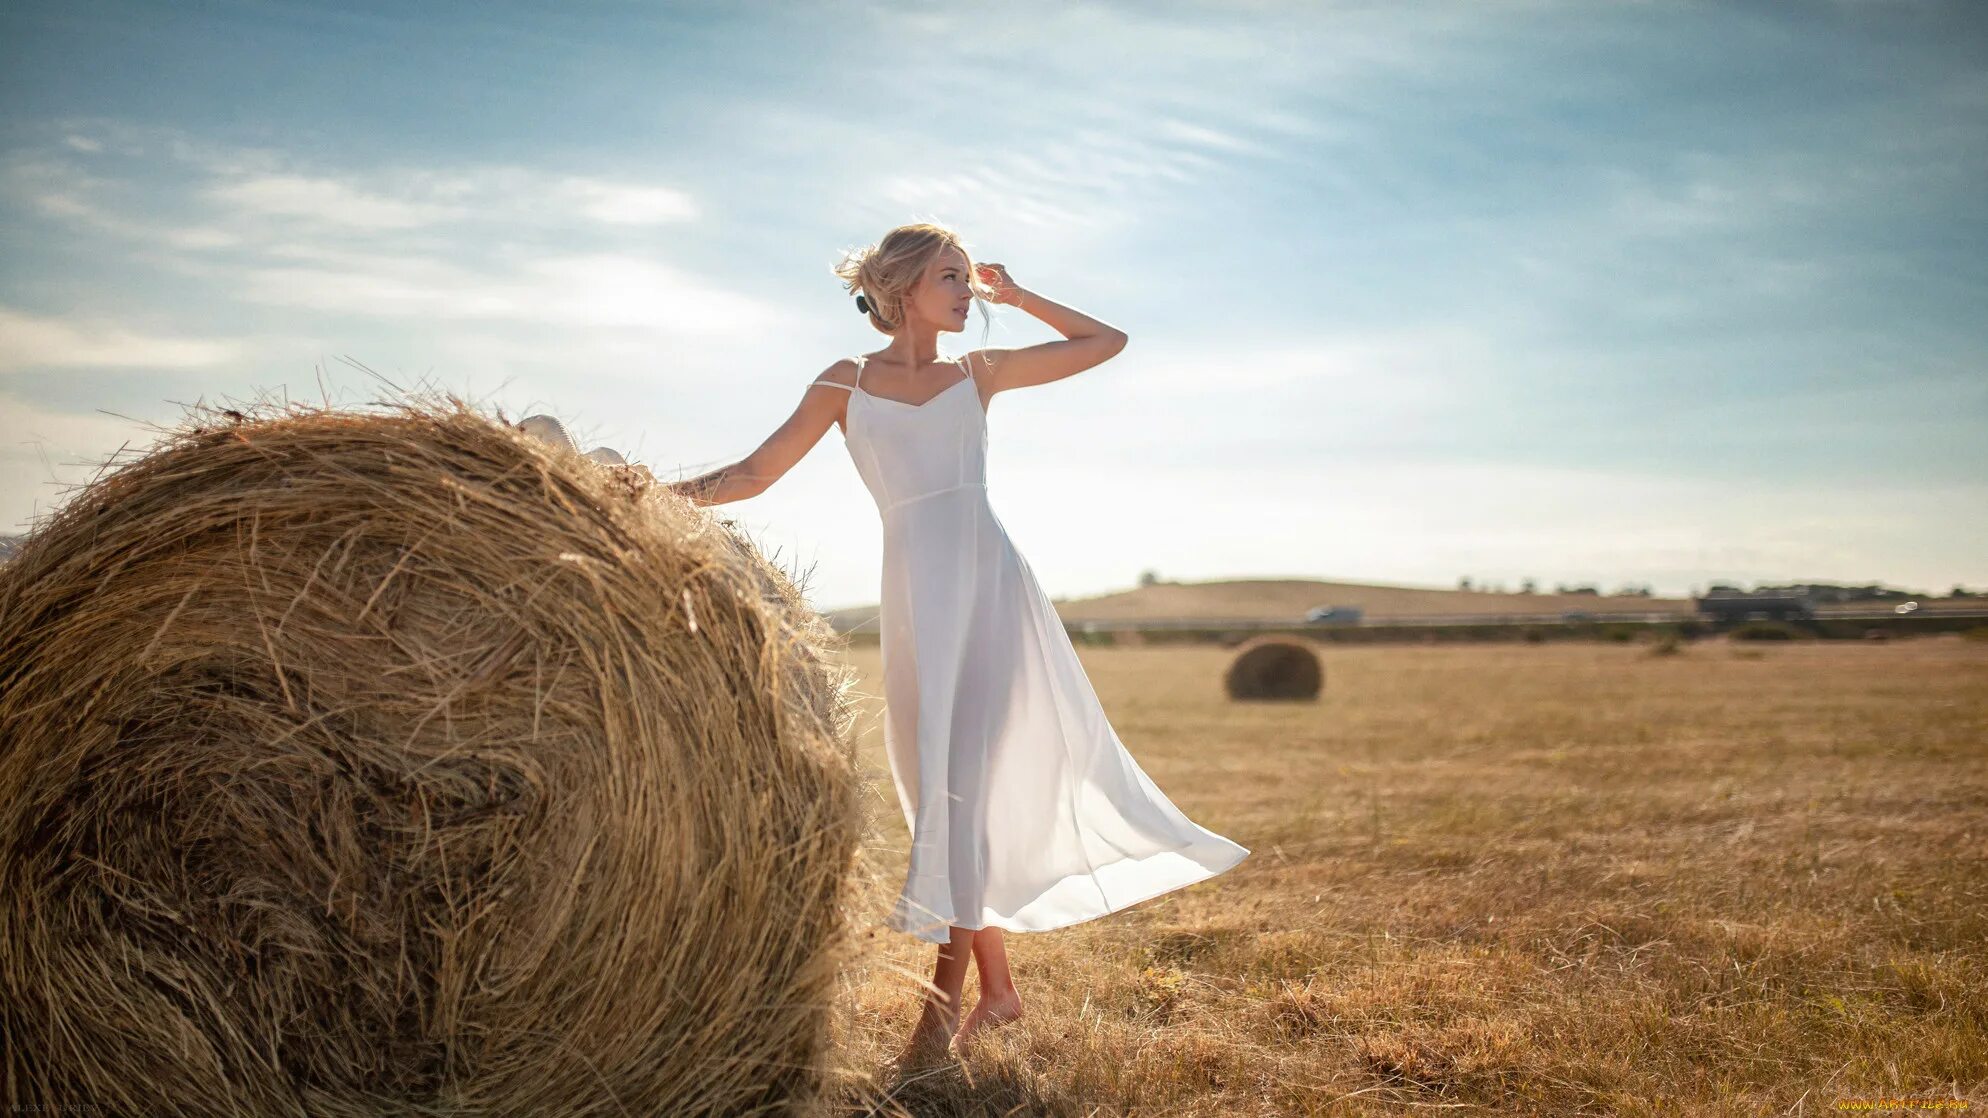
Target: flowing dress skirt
column 1026, row 812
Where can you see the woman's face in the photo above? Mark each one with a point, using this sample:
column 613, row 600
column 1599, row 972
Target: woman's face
column 943, row 296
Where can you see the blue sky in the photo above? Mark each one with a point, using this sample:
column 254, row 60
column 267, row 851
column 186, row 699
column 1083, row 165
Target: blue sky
column 1583, row 292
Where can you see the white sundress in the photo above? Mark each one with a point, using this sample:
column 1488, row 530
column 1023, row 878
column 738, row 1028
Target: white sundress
column 1025, row 810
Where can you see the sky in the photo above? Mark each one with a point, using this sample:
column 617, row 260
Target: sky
column 1657, row 294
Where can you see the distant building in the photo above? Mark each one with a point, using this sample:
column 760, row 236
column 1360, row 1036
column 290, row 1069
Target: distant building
column 1724, row 609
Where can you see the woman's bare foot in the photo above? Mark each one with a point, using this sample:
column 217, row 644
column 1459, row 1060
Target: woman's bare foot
column 930, row 1043
column 991, row 1011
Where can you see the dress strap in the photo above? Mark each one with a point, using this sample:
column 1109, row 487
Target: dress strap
column 965, row 363
column 858, row 359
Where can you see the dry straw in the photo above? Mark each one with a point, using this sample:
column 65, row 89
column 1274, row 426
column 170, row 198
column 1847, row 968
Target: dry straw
column 394, row 761
column 1272, row 667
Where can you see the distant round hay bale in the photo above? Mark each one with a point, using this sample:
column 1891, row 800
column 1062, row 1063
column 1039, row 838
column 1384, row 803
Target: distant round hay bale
column 357, row 763
column 1271, row 667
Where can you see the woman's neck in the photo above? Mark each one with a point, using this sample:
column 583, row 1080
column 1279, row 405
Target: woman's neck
column 916, row 353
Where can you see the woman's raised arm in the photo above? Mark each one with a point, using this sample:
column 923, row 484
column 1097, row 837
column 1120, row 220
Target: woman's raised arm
column 1086, row 341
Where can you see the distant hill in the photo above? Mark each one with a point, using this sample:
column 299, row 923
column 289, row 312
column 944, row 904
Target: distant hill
column 1279, row 599
column 1288, row 599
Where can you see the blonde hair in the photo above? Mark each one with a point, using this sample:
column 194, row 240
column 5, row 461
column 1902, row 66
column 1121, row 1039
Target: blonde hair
column 886, row 272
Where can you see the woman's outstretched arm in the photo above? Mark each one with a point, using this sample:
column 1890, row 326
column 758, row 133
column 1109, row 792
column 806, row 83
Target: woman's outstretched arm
column 753, row 474
column 722, row 486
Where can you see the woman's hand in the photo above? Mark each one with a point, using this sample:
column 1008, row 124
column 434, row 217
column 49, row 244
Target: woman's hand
column 996, row 276
column 632, row 468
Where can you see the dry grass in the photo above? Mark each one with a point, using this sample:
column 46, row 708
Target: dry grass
column 1525, row 879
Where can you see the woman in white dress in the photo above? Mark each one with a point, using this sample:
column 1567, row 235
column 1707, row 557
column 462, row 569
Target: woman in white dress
column 1026, row 812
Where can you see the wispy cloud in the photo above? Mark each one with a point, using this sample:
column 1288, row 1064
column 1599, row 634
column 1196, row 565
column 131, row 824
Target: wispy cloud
column 412, row 199
column 32, row 341
column 330, row 202
column 1088, row 179
column 59, row 188
column 592, row 290
column 623, row 203
column 339, row 243
column 113, row 182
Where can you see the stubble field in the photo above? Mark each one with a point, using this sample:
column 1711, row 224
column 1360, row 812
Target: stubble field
column 1563, row 878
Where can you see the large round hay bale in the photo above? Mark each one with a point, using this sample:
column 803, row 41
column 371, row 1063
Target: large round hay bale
column 1273, row 667
column 395, row 761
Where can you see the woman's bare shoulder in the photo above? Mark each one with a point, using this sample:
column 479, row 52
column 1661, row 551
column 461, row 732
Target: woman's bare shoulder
column 980, row 362
column 842, row 373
